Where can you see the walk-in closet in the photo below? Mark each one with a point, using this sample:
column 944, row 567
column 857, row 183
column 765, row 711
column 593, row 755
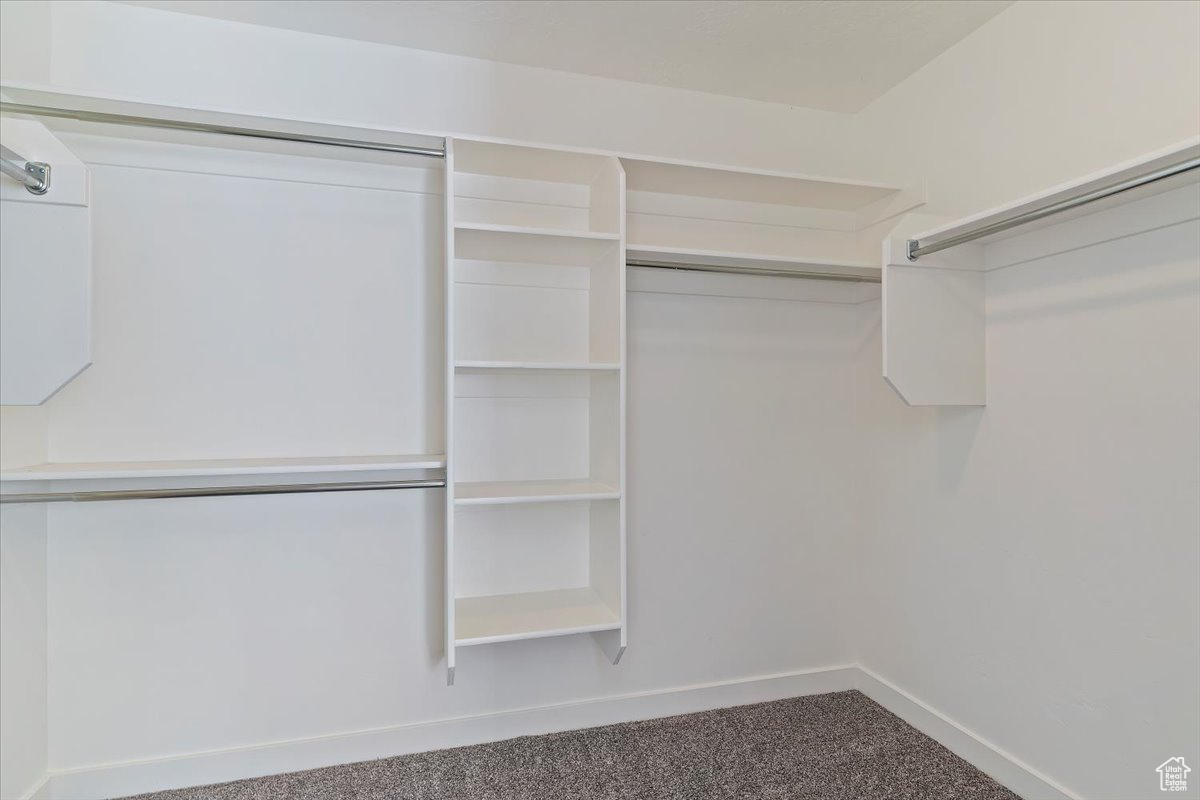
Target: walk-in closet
column 521, row 400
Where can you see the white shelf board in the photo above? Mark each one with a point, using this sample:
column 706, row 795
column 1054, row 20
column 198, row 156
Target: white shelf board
column 749, row 185
column 530, row 615
column 494, row 493
column 527, row 163
column 566, row 366
column 682, row 256
column 523, row 230
column 102, row 470
column 523, row 245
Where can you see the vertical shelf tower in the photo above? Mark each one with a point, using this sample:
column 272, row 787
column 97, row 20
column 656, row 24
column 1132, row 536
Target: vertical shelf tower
column 535, row 418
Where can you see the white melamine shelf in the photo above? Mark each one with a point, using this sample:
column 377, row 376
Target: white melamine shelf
column 683, row 257
column 497, row 492
column 102, row 470
column 748, row 185
column 536, row 350
column 523, row 230
column 531, row 245
column 519, row 366
column 506, row 617
column 507, row 160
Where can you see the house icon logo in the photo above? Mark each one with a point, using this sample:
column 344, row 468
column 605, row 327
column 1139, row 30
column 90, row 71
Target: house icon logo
column 1172, row 775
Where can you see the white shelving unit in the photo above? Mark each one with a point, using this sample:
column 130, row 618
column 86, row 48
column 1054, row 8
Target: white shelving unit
column 687, row 213
column 535, row 542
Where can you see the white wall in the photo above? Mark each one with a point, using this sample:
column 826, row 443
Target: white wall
column 256, row 305
column 1028, row 569
column 25, row 41
column 23, row 667
column 187, row 626
column 23, row 613
column 1043, row 93
column 189, row 60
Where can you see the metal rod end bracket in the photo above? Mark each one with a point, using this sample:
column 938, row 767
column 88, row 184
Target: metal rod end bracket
column 40, row 171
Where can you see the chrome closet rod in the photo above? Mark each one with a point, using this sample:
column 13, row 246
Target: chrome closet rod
column 230, row 130
column 916, row 249
column 33, row 175
column 220, row 491
column 757, row 271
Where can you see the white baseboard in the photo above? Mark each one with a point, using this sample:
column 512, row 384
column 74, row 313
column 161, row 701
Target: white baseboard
column 986, row 757
column 193, row 769
column 41, row 791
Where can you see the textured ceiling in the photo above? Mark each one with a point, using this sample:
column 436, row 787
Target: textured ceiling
column 837, row 55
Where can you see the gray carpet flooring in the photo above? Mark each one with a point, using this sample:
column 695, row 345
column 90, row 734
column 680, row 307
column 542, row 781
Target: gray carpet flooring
column 839, row 746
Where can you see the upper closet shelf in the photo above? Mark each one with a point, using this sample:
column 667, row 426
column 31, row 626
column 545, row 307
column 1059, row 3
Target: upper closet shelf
column 751, row 186
column 531, row 245
column 699, row 214
column 103, row 470
column 526, row 163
